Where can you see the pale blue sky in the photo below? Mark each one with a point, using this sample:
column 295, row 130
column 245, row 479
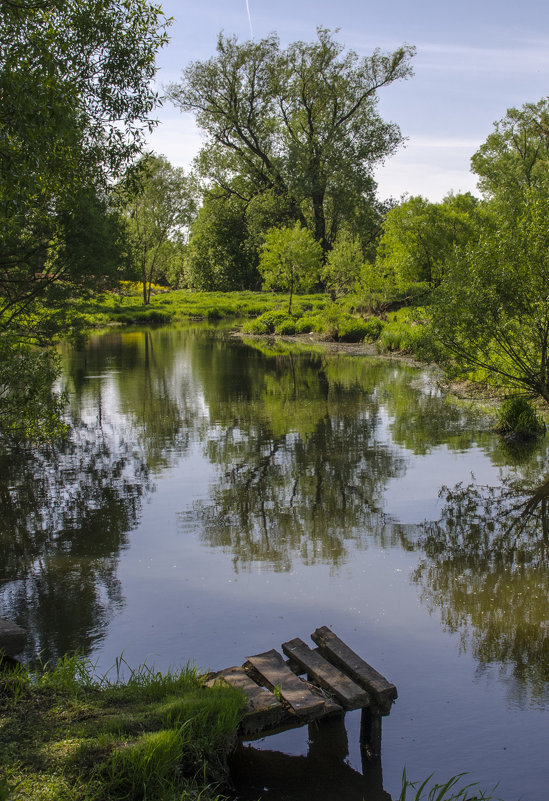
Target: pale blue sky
column 474, row 60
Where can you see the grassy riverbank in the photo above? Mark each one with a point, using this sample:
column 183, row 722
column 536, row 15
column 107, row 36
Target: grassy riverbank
column 347, row 319
column 401, row 325
column 68, row 735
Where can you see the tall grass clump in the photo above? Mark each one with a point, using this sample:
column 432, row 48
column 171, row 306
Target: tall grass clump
column 518, row 417
column 409, row 331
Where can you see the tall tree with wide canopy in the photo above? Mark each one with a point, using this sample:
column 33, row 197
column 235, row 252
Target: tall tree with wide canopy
column 301, row 122
column 158, row 203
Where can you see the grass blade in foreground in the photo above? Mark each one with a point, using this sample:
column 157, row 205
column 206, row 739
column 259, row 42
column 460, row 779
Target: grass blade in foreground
column 448, row 791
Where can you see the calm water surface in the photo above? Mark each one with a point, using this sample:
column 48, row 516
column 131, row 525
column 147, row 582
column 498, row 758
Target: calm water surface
column 219, row 497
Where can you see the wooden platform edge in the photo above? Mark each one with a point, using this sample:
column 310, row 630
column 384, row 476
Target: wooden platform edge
column 383, row 692
column 263, row 710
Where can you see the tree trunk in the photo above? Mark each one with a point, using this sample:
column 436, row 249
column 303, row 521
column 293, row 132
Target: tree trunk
column 144, row 281
column 320, row 220
column 291, row 293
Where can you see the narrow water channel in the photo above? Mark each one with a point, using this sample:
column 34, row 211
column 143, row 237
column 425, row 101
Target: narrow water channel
column 217, row 497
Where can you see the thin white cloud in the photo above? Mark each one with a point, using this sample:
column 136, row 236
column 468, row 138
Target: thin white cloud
column 518, row 58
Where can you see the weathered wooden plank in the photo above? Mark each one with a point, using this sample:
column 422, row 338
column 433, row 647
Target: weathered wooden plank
column 326, row 675
column 343, row 657
column 275, row 673
column 263, row 710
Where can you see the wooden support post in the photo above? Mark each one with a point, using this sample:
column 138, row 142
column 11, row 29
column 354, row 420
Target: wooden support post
column 328, row 742
column 370, row 734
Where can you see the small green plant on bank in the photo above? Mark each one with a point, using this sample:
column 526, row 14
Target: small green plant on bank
column 447, row 791
column 373, row 327
column 66, row 733
column 518, row 417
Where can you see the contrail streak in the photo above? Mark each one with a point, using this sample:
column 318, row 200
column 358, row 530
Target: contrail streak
column 249, row 19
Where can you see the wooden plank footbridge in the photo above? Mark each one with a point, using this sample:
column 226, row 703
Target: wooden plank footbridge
column 278, row 698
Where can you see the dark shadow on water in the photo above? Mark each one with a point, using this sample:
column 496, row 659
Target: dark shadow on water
column 323, row 774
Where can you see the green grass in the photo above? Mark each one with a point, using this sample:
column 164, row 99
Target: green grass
column 69, row 735
column 345, row 320
column 126, row 309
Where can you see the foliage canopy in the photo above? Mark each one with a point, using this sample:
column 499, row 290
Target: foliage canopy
column 158, row 203
column 300, row 122
column 76, row 104
column 515, row 155
column 492, row 310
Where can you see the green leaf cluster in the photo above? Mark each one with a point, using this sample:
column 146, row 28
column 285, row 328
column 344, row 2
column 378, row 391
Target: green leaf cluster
column 419, row 237
column 290, row 260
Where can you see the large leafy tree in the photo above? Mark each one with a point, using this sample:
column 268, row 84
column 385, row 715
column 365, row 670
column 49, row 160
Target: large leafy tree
column 221, row 254
column 301, row 123
column 77, row 99
column 492, row 309
column 158, row 202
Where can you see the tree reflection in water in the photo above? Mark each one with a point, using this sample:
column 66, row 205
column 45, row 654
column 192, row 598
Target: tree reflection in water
column 487, row 572
column 302, row 470
column 67, row 511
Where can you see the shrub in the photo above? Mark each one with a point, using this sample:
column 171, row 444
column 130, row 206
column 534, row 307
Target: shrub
column 257, row 326
column 286, row 327
column 519, row 417
column 351, row 329
column 304, row 325
column 373, row 327
column 273, row 318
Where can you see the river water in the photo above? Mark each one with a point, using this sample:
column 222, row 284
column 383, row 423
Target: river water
column 218, row 496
